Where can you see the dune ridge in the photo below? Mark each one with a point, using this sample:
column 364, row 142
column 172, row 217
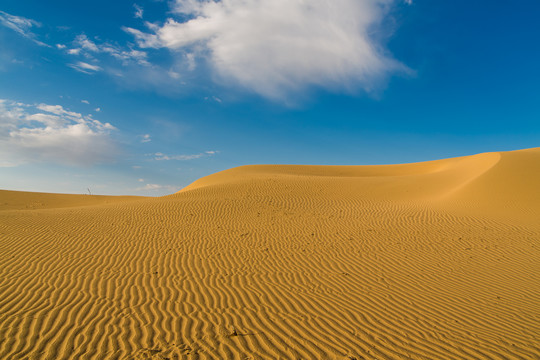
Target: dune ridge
column 433, row 260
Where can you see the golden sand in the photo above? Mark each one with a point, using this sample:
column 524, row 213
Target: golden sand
column 434, row 260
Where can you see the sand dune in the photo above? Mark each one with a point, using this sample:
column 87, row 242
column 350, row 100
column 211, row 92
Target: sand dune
column 19, row 200
column 434, row 260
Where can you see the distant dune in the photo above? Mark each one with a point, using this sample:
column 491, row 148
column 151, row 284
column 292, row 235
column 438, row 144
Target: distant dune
column 433, row 260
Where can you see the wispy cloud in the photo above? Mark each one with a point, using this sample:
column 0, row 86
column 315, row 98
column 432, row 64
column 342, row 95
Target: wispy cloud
column 51, row 133
column 85, row 67
column 145, row 40
column 157, row 187
column 85, row 43
column 160, row 156
column 85, row 102
column 146, row 138
column 82, row 45
column 280, row 48
column 138, row 11
column 21, row 25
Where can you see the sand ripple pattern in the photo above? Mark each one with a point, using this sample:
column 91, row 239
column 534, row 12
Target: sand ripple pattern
column 281, row 263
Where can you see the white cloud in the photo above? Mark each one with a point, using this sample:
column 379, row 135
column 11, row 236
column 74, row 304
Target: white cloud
column 140, row 57
column 408, row 2
column 47, row 119
column 50, row 133
column 85, row 43
column 157, row 187
column 146, row 138
column 97, row 109
column 144, row 40
column 21, row 25
column 85, row 102
column 59, row 110
column 279, row 48
column 138, row 11
column 85, row 67
column 191, row 61
column 60, row 46
column 173, row 74
column 85, row 46
column 160, row 156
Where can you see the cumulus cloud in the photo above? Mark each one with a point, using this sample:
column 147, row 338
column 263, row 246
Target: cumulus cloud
column 21, row 25
column 278, row 48
column 50, row 133
column 160, row 156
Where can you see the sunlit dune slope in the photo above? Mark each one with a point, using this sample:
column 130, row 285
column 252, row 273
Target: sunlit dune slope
column 434, row 260
column 505, row 184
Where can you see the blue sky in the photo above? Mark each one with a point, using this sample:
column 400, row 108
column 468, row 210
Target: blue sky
column 145, row 97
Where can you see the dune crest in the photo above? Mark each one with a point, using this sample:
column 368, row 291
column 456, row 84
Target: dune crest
column 433, row 260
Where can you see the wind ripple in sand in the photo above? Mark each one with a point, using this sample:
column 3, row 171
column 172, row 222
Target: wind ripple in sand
column 281, row 262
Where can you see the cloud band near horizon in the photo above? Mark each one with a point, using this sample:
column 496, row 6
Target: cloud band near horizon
column 50, row 133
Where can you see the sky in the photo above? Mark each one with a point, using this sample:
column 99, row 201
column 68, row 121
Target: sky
column 144, row 97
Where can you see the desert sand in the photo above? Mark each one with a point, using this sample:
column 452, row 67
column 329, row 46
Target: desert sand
column 433, row 260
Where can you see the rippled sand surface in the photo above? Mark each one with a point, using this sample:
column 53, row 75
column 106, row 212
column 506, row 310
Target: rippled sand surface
column 435, row 260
